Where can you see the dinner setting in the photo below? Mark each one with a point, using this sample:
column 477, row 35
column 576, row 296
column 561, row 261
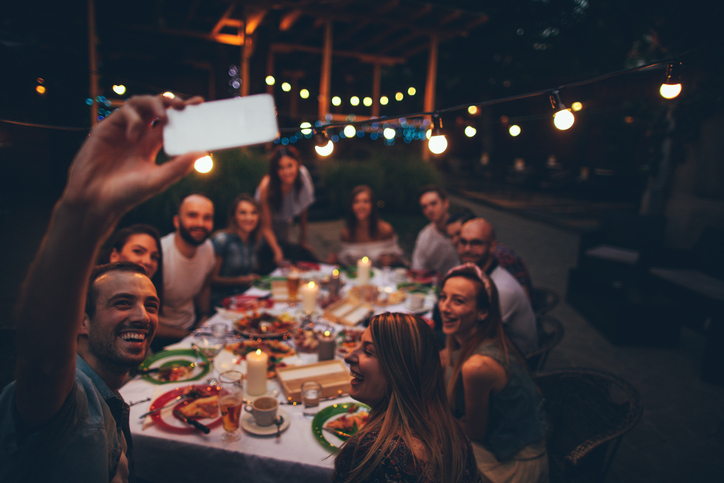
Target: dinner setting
column 287, row 352
column 361, row 241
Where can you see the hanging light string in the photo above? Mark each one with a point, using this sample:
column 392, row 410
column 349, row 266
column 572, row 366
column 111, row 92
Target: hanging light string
column 491, row 102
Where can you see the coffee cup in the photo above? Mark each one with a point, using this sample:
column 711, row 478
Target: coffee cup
column 415, row 300
column 263, row 409
column 400, row 275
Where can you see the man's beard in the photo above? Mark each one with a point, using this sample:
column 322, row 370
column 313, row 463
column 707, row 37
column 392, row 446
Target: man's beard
column 188, row 238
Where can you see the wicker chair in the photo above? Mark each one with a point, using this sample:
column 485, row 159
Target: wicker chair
column 544, row 300
column 588, row 413
column 550, row 334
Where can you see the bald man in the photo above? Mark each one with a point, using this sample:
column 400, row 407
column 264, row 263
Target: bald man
column 476, row 245
column 188, row 260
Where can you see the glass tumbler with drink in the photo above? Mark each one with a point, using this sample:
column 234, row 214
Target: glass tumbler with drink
column 292, row 284
column 311, row 394
column 230, row 402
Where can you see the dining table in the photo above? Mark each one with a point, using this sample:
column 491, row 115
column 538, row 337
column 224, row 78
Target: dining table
column 167, row 454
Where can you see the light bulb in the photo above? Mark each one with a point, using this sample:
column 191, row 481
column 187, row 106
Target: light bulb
column 354, row 100
column 336, row 101
column 669, row 91
column 204, row 164
column 514, row 130
column 389, row 133
column 119, row 89
column 349, row 131
column 563, row 119
column 306, row 128
column 437, row 144
column 470, row 131
column 325, row 150
column 270, row 80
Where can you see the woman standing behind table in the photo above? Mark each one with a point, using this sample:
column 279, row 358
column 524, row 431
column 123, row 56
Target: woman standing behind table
column 410, row 434
column 491, row 393
column 235, row 249
column 284, row 194
column 365, row 235
column 139, row 244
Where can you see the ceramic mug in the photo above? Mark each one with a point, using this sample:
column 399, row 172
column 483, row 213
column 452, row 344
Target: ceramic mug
column 263, row 409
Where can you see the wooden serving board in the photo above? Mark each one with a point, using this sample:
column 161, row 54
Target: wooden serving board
column 333, row 376
column 348, row 311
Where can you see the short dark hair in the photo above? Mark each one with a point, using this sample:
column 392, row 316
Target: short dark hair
column 466, row 214
column 92, row 292
column 433, row 187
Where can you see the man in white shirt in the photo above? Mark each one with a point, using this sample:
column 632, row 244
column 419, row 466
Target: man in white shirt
column 188, row 261
column 475, row 245
column 433, row 249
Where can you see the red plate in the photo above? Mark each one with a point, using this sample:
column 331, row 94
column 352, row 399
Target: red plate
column 422, row 276
column 244, row 303
column 307, row 266
column 165, row 418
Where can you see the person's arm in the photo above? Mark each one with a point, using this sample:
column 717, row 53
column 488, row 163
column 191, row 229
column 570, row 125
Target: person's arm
column 202, row 302
column 481, row 376
column 114, row 170
column 266, row 222
column 303, row 217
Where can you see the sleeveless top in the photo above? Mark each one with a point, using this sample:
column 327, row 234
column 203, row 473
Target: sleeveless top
column 515, row 414
column 293, row 204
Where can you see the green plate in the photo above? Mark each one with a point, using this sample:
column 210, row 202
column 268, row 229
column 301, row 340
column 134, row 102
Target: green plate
column 351, row 271
column 175, row 357
column 324, row 415
column 264, row 283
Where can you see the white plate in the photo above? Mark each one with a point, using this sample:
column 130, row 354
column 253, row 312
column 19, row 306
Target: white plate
column 227, row 361
column 426, row 307
column 248, row 423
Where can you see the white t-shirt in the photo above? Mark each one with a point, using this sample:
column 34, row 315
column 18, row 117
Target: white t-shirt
column 518, row 317
column 434, row 251
column 183, row 279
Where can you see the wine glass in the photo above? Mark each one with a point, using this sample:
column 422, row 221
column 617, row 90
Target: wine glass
column 230, row 402
column 208, row 345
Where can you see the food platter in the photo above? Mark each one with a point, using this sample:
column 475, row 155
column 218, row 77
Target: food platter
column 165, row 418
column 348, row 340
column 264, row 324
column 233, row 356
column 181, row 358
column 329, row 440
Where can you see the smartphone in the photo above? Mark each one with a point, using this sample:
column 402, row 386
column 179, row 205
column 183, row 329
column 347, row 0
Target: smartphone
column 223, row 124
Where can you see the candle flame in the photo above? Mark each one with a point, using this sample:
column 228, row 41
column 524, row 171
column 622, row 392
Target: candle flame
column 335, row 272
column 310, row 285
column 326, row 333
column 365, row 259
column 258, row 352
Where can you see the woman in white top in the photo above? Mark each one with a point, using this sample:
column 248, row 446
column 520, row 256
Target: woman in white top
column 365, row 234
column 285, row 193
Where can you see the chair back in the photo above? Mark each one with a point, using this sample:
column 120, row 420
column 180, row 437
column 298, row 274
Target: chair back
column 588, row 413
column 550, row 334
column 544, row 300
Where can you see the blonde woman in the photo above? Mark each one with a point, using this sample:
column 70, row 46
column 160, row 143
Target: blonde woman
column 410, row 434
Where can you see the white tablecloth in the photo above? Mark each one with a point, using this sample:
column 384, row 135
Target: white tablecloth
column 295, row 457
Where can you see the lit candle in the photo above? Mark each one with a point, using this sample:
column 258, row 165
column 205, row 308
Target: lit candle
column 326, row 346
column 309, row 294
column 363, row 271
column 256, row 367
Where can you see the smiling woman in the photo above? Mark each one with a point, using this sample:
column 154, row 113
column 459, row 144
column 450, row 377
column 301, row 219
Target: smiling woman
column 410, row 434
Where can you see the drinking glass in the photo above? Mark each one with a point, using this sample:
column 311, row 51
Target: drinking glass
column 292, row 285
column 311, row 393
column 230, row 402
column 208, row 344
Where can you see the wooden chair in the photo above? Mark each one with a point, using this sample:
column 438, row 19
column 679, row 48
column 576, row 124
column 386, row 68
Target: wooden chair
column 550, row 334
column 588, row 413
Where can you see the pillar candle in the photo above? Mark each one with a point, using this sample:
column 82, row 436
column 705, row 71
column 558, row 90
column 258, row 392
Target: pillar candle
column 256, row 368
column 326, row 346
column 363, row 271
column 309, row 294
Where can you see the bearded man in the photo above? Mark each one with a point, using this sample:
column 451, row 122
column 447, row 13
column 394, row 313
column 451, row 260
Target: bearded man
column 188, row 261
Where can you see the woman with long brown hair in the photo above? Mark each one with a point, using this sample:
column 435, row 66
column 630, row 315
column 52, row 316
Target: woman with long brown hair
column 284, row 194
column 492, row 396
column 410, row 434
column 235, row 249
column 365, row 234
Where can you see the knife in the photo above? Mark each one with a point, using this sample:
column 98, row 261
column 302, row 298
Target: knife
column 204, row 429
column 338, row 433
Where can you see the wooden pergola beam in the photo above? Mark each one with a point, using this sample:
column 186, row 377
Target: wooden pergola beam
column 369, row 58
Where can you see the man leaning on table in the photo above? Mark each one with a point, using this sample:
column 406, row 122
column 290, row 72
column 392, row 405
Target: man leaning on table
column 62, row 419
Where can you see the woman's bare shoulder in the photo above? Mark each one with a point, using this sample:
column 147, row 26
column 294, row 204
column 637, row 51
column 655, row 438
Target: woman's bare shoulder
column 484, row 370
column 385, row 230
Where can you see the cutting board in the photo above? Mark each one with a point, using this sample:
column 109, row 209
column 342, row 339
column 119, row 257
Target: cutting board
column 332, row 375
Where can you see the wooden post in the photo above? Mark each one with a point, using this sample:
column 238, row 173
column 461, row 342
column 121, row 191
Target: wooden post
column 326, row 74
column 92, row 63
column 376, row 75
column 246, row 48
column 270, row 70
column 430, row 86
